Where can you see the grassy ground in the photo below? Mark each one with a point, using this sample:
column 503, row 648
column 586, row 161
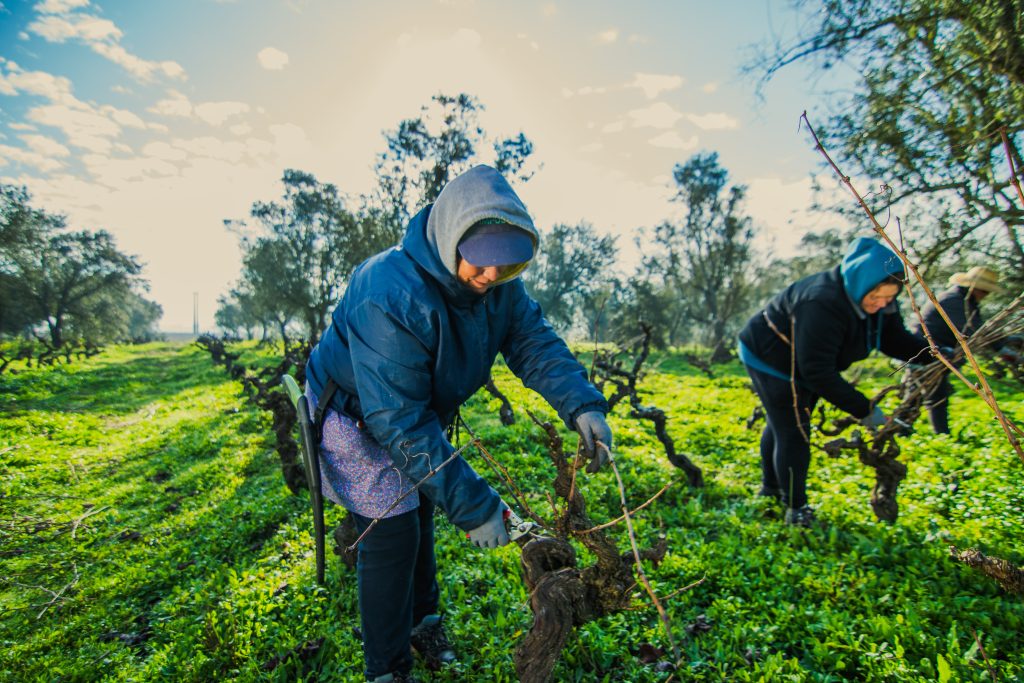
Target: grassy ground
column 146, row 534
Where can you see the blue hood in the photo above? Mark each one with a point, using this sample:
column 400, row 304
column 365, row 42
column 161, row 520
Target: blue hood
column 866, row 264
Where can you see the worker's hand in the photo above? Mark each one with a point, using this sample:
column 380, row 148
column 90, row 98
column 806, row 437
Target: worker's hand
column 593, row 428
column 875, row 419
column 492, row 533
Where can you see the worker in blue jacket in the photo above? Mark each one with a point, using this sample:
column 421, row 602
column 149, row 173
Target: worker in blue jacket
column 415, row 336
column 797, row 346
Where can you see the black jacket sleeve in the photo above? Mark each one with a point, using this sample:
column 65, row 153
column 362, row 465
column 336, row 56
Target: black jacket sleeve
column 817, row 355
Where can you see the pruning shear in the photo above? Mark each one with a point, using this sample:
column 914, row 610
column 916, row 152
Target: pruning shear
column 517, row 527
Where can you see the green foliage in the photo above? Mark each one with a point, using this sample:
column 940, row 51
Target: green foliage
column 75, row 284
column 706, row 259
column 298, row 257
column 147, row 534
column 567, row 275
column 425, row 152
column 938, row 84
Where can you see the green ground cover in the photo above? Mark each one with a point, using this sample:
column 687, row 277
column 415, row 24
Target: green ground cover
column 146, row 534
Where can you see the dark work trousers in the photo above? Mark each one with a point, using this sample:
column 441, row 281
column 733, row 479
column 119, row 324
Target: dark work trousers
column 397, row 582
column 785, row 450
column 937, row 403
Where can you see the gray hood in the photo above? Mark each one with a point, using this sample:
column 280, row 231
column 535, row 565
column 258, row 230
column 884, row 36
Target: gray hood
column 479, row 193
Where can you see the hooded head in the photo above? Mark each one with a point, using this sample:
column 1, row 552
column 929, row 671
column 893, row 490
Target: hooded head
column 866, row 265
column 480, row 200
column 978, row 278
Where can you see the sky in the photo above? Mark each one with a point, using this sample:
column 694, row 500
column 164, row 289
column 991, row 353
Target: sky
column 159, row 120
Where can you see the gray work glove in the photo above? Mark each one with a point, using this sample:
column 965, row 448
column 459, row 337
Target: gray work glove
column 492, row 533
column 875, row 419
column 593, row 428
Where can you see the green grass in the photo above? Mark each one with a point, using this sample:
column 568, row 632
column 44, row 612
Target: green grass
column 146, row 534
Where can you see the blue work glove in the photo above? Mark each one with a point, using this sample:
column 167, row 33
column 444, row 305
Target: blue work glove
column 593, row 428
column 492, row 533
column 875, row 419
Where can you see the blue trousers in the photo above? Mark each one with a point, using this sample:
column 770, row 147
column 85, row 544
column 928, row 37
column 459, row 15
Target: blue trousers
column 397, row 582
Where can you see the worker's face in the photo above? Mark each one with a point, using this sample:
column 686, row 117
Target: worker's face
column 979, row 294
column 482, row 278
column 879, row 297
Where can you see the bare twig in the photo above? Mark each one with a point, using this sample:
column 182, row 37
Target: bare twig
column 79, row 520
column 792, row 378
column 409, row 492
column 57, row 595
column 981, row 649
column 1014, row 178
column 685, row 588
column 635, row 510
column 636, row 553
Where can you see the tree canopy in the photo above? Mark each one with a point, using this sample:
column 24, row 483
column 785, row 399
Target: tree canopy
column 937, row 112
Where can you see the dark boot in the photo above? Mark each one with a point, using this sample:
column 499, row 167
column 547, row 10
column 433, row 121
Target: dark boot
column 800, row 516
column 938, row 416
column 429, row 639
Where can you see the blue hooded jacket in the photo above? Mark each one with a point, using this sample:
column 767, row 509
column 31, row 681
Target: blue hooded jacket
column 822, row 316
column 409, row 343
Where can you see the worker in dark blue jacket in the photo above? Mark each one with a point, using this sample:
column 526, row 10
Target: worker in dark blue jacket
column 961, row 303
column 415, row 336
column 797, row 346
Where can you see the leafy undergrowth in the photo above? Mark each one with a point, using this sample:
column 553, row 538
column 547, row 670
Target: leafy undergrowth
column 146, row 534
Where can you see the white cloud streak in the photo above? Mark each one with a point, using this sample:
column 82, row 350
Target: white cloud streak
column 60, row 21
column 655, row 84
column 272, row 59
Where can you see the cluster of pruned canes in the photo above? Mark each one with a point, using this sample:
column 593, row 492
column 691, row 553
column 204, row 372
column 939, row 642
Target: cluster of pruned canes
column 880, row 449
column 563, row 596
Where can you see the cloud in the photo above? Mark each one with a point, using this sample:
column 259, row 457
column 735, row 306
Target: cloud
column 272, row 59
column 655, row 84
column 710, row 87
column 534, row 45
column 216, row 113
column 607, row 37
column 60, row 22
column 174, row 105
column 162, row 150
column 467, row 38
column 41, row 144
column 116, row 173
column 60, row 6
column 614, row 127
column 658, row 115
column 585, row 90
column 84, row 127
column 123, row 117
column 671, row 140
column 54, row 88
column 549, row 9
column 713, row 121
column 28, row 158
column 58, row 29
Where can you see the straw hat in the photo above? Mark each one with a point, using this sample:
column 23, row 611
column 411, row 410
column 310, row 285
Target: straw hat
column 978, row 277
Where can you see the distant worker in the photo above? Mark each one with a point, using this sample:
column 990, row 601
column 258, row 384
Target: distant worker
column 960, row 302
column 415, row 336
column 815, row 329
